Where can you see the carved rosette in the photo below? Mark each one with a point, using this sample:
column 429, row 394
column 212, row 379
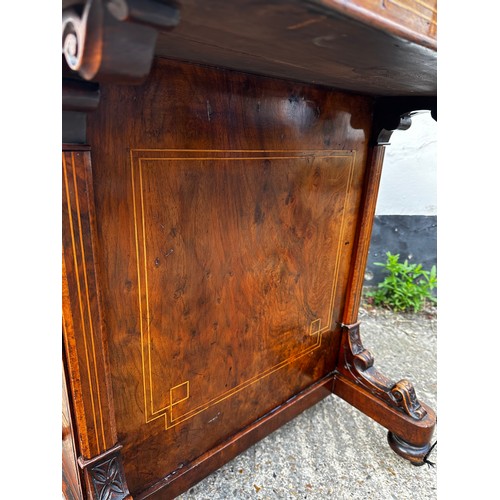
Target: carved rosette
column 105, row 476
column 107, row 480
column 358, row 366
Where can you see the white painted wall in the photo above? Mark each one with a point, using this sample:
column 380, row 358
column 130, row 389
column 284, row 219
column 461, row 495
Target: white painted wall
column 409, row 177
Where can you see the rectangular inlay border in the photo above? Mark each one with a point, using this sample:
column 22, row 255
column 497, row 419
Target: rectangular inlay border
column 138, row 200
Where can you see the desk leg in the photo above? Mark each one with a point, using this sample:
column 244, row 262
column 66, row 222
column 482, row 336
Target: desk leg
column 84, row 335
column 394, row 405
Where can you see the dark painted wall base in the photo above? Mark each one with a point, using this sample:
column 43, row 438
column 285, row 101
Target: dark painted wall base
column 413, row 237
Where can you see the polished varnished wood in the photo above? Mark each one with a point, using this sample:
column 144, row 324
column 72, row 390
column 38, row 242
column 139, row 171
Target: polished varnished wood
column 312, row 41
column 71, row 482
column 414, row 20
column 182, row 479
column 363, row 236
column 216, row 229
column 113, row 39
column 93, row 436
column 379, row 47
column 84, row 339
column 227, row 210
column 393, row 404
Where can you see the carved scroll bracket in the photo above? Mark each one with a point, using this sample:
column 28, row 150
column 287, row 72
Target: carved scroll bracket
column 78, row 21
column 358, row 366
column 113, row 39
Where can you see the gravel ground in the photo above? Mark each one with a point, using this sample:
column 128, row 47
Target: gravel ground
column 333, row 451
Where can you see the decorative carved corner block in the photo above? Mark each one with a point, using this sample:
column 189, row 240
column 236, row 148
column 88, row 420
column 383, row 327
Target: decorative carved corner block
column 114, row 39
column 394, row 113
column 358, row 365
column 105, row 477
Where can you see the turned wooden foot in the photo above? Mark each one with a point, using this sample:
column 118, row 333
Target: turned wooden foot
column 417, row 455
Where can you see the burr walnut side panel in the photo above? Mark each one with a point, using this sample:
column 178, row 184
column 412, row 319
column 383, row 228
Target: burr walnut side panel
column 226, row 211
column 250, row 272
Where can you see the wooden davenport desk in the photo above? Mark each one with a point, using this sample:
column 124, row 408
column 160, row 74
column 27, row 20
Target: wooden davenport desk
column 220, row 169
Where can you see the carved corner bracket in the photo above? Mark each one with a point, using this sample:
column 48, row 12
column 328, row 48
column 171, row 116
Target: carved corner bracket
column 105, row 477
column 358, row 366
column 113, row 39
column 394, row 113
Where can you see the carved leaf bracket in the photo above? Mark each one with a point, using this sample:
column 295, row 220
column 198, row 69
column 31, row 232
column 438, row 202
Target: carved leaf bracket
column 358, row 366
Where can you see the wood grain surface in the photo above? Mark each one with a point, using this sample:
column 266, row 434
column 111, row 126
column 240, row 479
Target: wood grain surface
column 71, row 482
column 84, row 340
column 226, row 208
column 377, row 47
column 414, row 20
column 251, row 275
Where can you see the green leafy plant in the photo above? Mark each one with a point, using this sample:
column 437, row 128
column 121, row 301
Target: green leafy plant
column 407, row 288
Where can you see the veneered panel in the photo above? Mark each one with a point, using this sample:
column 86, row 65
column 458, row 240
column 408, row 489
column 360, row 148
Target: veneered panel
column 226, row 211
column 414, row 20
column 242, row 274
column 85, row 347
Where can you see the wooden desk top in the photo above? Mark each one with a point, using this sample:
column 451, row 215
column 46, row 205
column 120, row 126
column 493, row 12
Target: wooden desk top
column 371, row 47
column 374, row 47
